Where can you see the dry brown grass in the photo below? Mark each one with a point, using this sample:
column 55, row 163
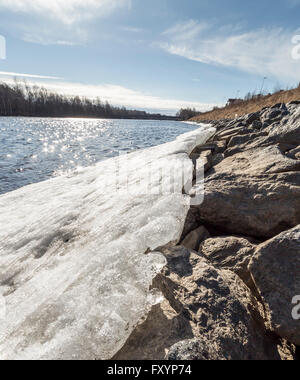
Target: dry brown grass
column 245, row 107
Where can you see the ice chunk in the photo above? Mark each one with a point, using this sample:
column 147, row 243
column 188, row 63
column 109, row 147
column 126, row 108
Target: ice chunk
column 74, row 273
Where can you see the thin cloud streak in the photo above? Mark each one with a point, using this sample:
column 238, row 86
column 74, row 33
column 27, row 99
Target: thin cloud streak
column 132, row 29
column 265, row 52
column 19, row 75
column 59, row 22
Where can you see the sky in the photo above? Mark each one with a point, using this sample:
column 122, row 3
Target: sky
column 157, row 55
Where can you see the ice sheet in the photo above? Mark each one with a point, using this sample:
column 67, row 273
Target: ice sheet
column 73, row 269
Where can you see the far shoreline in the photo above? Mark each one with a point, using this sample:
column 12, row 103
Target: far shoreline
column 94, row 118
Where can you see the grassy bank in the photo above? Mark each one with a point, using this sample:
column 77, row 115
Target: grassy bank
column 244, row 107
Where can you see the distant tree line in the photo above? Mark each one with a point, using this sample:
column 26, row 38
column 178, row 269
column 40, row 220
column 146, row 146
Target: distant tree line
column 187, row 113
column 20, row 99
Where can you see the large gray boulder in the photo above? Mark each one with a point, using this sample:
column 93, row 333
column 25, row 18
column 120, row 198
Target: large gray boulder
column 198, row 349
column 253, row 193
column 240, row 286
column 257, row 161
column 275, row 269
column 285, row 131
column 232, row 253
column 218, row 307
column 294, row 153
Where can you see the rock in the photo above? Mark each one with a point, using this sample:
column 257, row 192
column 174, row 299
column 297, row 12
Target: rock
column 152, row 339
column 222, row 302
column 257, row 124
column 192, row 222
column 280, row 106
column 294, row 153
column 217, row 158
column 273, row 114
column 201, row 161
column 228, row 133
column 267, row 160
column 225, row 127
column 256, row 193
column 219, row 308
column 259, row 206
column 285, row 113
column 195, row 238
column 275, row 269
column 284, row 148
column 198, row 349
column 294, row 102
column 221, row 146
column 204, row 161
column 236, row 123
column 232, row 253
column 266, row 124
column 192, row 349
column 287, row 131
column 205, row 147
column 249, row 119
column 241, row 143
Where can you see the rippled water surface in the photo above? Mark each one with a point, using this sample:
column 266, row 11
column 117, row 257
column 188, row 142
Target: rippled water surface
column 33, row 150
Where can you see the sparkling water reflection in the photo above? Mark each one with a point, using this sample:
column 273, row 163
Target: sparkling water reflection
column 33, row 150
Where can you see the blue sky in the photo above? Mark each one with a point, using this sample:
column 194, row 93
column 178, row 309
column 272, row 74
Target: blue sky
column 157, row 55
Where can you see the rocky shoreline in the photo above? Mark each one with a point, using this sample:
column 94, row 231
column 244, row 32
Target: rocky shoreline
column 229, row 284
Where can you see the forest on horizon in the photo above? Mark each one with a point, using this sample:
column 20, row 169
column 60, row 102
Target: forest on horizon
column 20, row 99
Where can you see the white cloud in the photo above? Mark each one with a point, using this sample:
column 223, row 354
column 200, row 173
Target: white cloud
column 132, row 29
column 118, row 95
column 266, row 52
column 66, row 11
column 293, row 3
column 185, row 31
column 10, row 74
column 62, row 22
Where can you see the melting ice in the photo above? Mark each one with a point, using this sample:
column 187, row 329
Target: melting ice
column 73, row 270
